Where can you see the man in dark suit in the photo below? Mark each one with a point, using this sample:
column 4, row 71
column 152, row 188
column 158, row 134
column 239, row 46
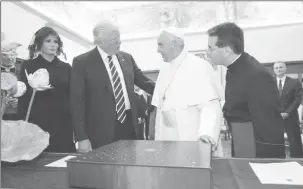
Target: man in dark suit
column 103, row 104
column 10, row 64
column 252, row 106
column 291, row 96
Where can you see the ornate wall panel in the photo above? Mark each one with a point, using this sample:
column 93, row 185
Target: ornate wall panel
column 253, row 12
column 81, row 16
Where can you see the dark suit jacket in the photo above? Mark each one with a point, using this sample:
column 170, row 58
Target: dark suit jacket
column 10, row 112
column 92, row 97
column 252, row 95
column 291, row 98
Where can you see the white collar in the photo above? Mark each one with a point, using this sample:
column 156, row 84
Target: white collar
column 283, row 78
column 103, row 54
column 178, row 59
column 237, row 58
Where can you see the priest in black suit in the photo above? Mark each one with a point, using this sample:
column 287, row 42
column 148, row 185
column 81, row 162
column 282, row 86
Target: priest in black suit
column 252, row 104
column 103, row 104
column 291, row 96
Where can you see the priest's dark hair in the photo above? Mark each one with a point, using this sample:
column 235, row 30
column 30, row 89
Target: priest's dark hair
column 229, row 34
column 38, row 38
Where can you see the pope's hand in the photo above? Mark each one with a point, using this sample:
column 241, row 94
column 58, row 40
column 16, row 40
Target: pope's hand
column 207, row 139
column 85, row 146
column 210, row 140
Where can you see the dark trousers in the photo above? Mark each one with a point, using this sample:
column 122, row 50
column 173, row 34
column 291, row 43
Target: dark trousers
column 245, row 144
column 125, row 131
column 292, row 129
column 147, row 127
column 141, row 131
column 264, row 150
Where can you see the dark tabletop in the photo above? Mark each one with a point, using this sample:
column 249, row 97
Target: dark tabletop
column 150, row 153
column 227, row 174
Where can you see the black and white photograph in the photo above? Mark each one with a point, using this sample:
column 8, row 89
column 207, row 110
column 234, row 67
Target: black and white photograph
column 151, row 94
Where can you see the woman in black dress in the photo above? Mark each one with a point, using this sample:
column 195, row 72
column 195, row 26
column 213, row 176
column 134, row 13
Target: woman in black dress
column 50, row 108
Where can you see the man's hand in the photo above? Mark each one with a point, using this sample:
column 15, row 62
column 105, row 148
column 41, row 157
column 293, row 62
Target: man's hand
column 13, row 102
column 284, row 115
column 85, row 146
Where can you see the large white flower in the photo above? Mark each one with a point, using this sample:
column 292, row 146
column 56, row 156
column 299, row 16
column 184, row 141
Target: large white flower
column 8, row 81
column 21, row 140
column 21, row 89
column 39, row 80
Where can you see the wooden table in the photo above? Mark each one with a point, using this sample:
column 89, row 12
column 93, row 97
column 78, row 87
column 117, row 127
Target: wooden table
column 226, row 174
column 131, row 164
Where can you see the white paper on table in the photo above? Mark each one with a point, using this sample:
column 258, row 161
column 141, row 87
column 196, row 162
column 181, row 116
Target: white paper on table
column 286, row 173
column 60, row 162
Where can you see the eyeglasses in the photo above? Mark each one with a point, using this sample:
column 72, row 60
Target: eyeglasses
column 9, row 54
column 211, row 49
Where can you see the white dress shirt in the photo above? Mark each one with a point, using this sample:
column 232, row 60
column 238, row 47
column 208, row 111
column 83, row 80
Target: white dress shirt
column 115, row 60
column 187, row 101
column 283, row 81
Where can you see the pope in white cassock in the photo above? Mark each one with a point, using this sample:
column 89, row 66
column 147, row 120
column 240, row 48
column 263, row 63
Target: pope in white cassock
column 186, row 97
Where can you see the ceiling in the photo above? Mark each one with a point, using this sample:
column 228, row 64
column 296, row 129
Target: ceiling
column 142, row 17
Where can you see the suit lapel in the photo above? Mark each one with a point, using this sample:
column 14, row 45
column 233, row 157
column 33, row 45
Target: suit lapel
column 285, row 87
column 125, row 67
column 103, row 72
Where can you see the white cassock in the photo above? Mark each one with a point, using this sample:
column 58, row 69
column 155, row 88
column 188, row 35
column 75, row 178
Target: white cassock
column 187, row 97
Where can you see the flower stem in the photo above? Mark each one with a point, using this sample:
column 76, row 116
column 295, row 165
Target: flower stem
column 3, row 102
column 30, row 105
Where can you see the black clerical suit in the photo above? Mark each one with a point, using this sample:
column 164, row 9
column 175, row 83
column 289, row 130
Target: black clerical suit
column 252, row 96
column 291, row 96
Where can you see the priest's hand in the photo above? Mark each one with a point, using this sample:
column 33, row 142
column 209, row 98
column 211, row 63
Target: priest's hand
column 85, row 146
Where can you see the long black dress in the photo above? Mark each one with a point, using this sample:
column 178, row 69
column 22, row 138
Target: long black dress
column 50, row 109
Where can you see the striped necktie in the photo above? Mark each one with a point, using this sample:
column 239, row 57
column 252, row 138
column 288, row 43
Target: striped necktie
column 118, row 92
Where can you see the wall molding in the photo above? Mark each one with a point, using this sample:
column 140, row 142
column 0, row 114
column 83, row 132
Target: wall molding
column 54, row 24
column 190, row 31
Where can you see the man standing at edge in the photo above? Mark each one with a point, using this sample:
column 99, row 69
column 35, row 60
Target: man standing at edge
column 291, row 96
column 252, row 104
column 103, row 104
column 186, row 96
